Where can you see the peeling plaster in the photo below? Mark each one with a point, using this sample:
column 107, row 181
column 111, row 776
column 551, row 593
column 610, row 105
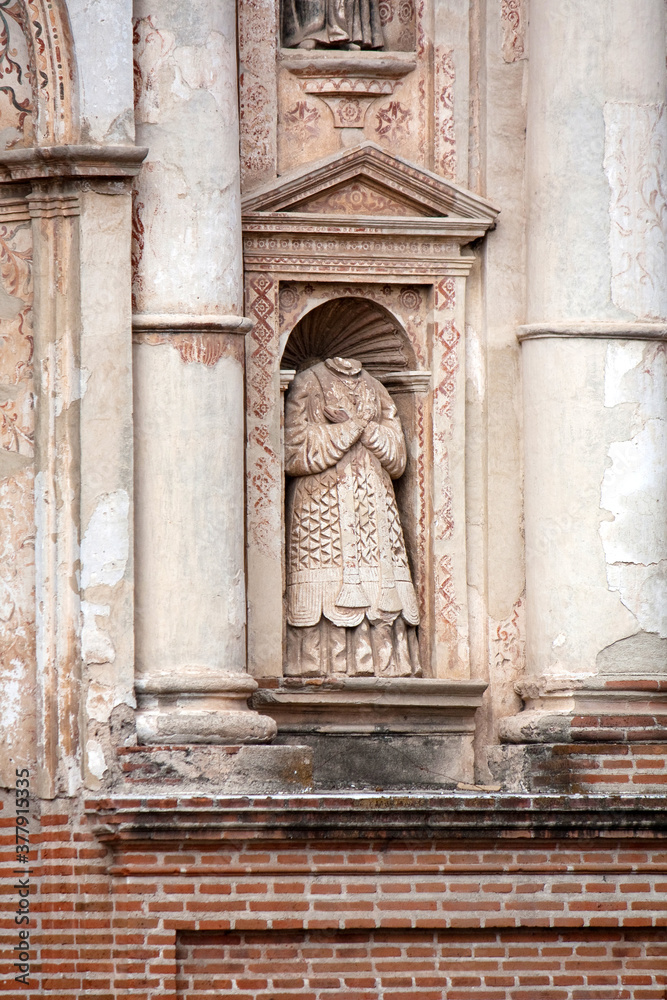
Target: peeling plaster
column 10, row 704
column 201, row 68
column 96, row 645
column 41, row 612
column 475, row 361
column 106, row 543
column 102, row 31
column 634, row 526
column 99, row 702
column 636, row 372
column 71, row 387
column 96, row 763
column 642, row 653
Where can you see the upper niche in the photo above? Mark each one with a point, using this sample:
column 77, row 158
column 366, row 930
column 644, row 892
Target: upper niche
column 369, row 25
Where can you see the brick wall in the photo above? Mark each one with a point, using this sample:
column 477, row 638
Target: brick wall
column 583, row 768
column 181, row 900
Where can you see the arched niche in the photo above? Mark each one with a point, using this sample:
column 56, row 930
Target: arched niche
column 308, row 242
column 356, row 327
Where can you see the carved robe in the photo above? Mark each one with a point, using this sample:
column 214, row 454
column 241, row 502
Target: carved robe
column 347, row 568
column 332, row 22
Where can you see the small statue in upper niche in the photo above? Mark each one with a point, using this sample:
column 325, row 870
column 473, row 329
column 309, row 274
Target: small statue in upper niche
column 351, row 605
column 350, row 24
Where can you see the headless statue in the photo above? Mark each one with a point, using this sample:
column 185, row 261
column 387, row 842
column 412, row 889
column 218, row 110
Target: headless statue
column 351, row 24
column 351, row 604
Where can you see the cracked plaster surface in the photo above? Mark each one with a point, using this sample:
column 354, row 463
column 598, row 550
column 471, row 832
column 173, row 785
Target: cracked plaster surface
column 634, row 537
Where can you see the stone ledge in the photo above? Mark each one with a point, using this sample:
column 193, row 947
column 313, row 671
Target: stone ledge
column 414, row 817
column 630, row 330
column 347, row 65
column 408, row 705
column 189, row 323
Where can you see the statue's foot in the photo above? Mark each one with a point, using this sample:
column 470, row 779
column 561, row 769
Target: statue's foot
column 352, row 46
column 308, row 43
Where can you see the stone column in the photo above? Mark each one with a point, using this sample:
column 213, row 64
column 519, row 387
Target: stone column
column 595, row 389
column 191, row 678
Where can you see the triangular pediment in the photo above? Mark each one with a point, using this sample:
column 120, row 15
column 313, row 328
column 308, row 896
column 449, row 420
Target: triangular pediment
column 368, row 181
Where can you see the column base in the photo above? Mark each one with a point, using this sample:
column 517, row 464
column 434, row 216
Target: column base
column 622, row 709
column 197, row 706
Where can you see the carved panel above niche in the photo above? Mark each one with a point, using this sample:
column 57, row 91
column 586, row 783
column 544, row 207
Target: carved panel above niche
column 361, row 197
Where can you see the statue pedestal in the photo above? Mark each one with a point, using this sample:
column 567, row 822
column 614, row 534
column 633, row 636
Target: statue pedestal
column 379, row 733
column 348, row 82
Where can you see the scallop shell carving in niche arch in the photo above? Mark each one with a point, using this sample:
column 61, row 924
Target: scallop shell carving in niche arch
column 349, row 328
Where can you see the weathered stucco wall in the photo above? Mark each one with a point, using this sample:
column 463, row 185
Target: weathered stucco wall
column 593, row 351
column 129, row 379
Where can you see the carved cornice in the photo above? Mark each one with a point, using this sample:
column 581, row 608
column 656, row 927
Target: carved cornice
column 458, row 230
column 411, row 381
column 437, row 196
column 405, row 816
column 286, row 377
column 352, row 249
column 14, row 210
column 52, row 206
column 52, row 162
column 407, row 381
column 630, row 330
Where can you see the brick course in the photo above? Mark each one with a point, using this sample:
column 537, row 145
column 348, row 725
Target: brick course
column 421, row 965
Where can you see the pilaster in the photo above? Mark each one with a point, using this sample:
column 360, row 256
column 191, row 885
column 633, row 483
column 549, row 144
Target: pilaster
column 78, row 200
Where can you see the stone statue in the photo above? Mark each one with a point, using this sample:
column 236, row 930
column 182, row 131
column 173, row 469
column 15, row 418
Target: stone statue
column 351, row 24
column 351, row 605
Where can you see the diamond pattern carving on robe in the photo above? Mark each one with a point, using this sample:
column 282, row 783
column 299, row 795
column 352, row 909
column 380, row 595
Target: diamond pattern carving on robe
column 368, row 549
column 315, row 532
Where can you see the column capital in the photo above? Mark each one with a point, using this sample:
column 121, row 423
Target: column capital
column 46, row 162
